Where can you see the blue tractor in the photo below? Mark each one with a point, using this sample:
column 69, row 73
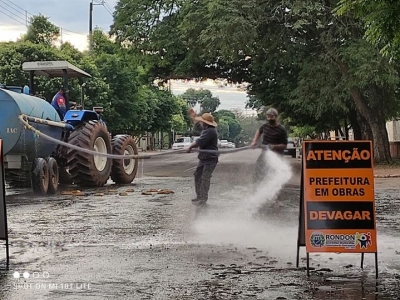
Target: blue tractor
column 31, row 160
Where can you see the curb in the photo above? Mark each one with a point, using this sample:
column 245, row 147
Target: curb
column 387, row 176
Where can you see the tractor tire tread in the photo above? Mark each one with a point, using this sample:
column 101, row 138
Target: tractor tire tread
column 81, row 165
column 119, row 144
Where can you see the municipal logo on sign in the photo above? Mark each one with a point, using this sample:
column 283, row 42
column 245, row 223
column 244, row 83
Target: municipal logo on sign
column 317, row 240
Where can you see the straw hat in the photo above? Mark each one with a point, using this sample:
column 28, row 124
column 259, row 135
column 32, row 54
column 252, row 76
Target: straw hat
column 208, row 119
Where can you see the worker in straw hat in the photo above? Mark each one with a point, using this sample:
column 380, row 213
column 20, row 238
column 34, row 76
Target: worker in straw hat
column 208, row 159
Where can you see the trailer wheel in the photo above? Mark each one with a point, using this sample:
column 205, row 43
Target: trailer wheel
column 87, row 169
column 124, row 170
column 40, row 176
column 54, row 175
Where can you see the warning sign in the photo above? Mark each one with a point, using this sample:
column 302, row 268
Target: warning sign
column 339, row 200
column 3, row 218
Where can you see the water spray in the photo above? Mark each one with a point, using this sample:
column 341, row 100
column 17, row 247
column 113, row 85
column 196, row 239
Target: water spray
column 278, row 173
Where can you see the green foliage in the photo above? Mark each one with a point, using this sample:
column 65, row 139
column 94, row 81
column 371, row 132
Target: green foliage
column 224, row 113
column 297, row 55
column 303, row 131
column 207, row 102
column 41, row 31
column 380, row 21
column 249, row 126
column 181, row 121
column 124, row 88
column 223, row 129
column 229, row 126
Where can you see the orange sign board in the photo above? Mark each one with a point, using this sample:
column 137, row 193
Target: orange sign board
column 339, row 198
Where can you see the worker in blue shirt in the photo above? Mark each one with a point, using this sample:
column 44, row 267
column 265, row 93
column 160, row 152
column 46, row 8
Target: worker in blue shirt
column 59, row 103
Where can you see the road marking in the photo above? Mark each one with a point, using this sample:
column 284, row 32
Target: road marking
column 192, row 168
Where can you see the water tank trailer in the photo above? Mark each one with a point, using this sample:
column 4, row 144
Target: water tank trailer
column 32, row 160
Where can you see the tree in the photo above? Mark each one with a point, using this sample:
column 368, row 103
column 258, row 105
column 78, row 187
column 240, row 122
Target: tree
column 207, row 102
column 303, row 131
column 223, row 129
column 41, row 31
column 12, row 55
column 224, row 113
column 284, row 49
column 132, row 104
column 249, row 126
column 231, row 127
column 380, row 22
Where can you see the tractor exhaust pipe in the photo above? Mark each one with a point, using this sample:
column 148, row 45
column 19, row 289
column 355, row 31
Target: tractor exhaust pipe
column 82, row 95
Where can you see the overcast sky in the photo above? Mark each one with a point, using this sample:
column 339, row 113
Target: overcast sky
column 71, row 15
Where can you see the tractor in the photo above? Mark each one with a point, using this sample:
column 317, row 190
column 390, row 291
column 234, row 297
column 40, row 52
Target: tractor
column 42, row 164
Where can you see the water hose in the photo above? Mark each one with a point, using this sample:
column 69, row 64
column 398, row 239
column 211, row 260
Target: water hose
column 24, row 120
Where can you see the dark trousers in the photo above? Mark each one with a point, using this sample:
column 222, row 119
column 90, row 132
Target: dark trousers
column 202, row 179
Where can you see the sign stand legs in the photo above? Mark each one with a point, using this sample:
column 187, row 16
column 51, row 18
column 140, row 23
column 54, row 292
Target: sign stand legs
column 308, row 264
column 7, row 256
column 301, row 233
column 376, row 263
column 362, row 261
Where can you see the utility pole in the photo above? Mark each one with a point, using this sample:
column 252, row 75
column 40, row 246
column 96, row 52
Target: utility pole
column 91, row 4
column 91, row 25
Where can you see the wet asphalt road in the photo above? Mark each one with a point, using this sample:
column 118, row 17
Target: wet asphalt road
column 132, row 246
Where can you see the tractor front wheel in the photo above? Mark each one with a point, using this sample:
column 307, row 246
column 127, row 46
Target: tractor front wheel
column 87, row 169
column 124, row 170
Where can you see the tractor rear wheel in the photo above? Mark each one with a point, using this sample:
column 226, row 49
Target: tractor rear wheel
column 40, row 176
column 124, row 170
column 54, row 175
column 87, row 169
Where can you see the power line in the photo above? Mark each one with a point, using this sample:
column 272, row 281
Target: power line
column 107, row 8
column 13, row 8
column 9, row 11
column 73, row 32
column 12, row 17
column 104, row 4
column 107, row 5
column 18, row 6
column 25, row 20
column 108, row 11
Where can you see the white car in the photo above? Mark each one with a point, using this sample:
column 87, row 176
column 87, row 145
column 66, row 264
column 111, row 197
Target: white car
column 182, row 143
column 224, row 144
column 291, row 148
column 231, row 145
